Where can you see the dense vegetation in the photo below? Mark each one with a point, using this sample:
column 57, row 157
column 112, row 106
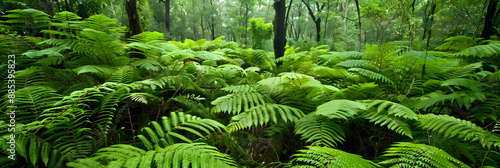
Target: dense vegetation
column 93, row 92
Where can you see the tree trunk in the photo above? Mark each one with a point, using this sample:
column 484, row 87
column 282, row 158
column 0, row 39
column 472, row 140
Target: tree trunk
column 488, row 20
column 194, row 25
column 213, row 22
column 133, row 17
column 246, row 23
column 202, row 27
column 279, row 28
column 167, row 14
column 359, row 26
column 317, row 21
column 68, row 6
column 318, row 29
column 48, row 7
column 345, row 17
column 326, row 21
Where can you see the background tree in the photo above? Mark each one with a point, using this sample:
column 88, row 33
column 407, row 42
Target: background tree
column 279, row 28
column 134, row 19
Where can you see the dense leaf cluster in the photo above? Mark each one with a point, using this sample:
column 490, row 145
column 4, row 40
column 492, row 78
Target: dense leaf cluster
column 86, row 96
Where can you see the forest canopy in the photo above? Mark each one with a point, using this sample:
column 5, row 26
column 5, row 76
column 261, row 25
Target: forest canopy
column 249, row 83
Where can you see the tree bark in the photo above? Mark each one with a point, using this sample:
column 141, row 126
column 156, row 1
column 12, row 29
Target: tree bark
column 213, row 22
column 167, row 14
column 48, row 7
column 327, row 15
column 317, row 21
column 345, row 18
column 279, row 28
column 133, row 17
column 68, row 6
column 359, row 25
column 488, row 20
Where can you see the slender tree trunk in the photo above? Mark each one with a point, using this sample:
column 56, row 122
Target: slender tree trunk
column 110, row 3
column 133, row 17
column 318, row 29
column 246, row 23
column 279, row 28
column 317, row 21
column 213, row 22
column 48, row 7
column 202, row 27
column 345, row 17
column 359, row 25
column 488, row 20
column 58, row 6
column 69, row 8
column 167, row 14
column 365, row 38
column 326, row 21
column 194, row 24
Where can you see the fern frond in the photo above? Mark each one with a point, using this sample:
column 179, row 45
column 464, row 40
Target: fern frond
column 99, row 23
column 408, row 154
column 458, row 43
column 238, row 102
column 391, row 108
column 195, row 155
column 324, row 157
column 160, row 136
column 340, row 109
column 261, row 115
column 352, row 63
column 333, row 58
column 391, row 114
column 481, row 51
column 465, row 130
column 319, row 131
column 372, row 75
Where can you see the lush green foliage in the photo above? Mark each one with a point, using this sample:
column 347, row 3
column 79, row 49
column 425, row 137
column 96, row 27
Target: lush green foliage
column 87, row 96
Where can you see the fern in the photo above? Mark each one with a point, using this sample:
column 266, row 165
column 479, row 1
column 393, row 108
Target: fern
column 261, row 115
column 481, row 51
column 453, row 127
column 238, row 102
column 319, row 131
column 315, row 156
column 160, row 136
column 196, row 155
column 372, row 75
column 391, row 114
column 458, row 43
column 340, row 109
column 408, row 154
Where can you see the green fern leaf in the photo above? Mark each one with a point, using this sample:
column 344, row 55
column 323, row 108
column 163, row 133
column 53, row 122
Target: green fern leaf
column 319, row 132
column 408, row 154
column 324, row 157
column 157, row 136
column 340, row 109
column 465, row 130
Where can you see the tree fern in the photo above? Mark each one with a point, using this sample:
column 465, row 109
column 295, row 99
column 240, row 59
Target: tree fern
column 316, row 156
column 408, row 154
